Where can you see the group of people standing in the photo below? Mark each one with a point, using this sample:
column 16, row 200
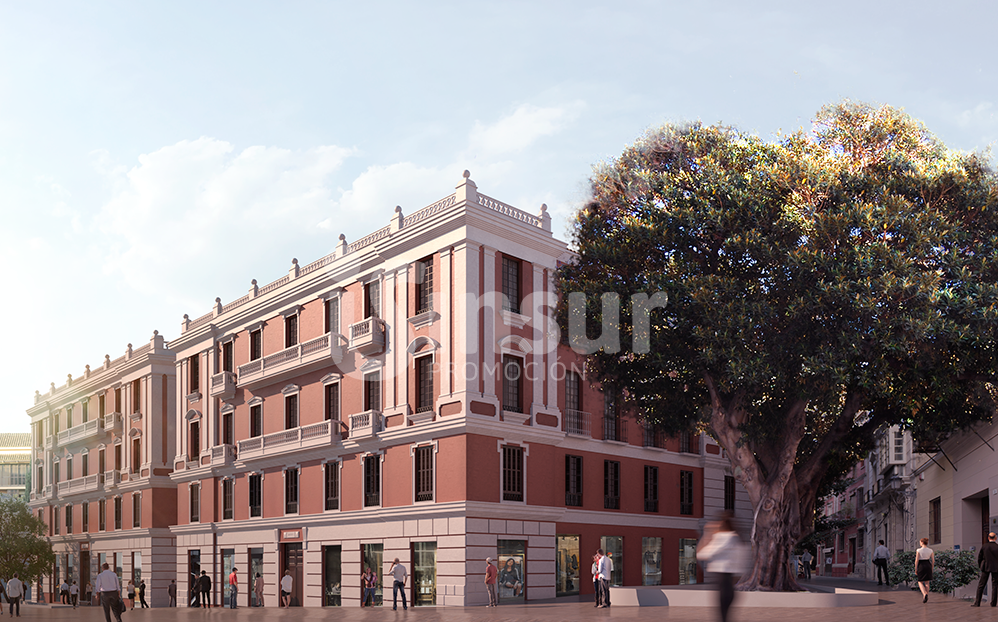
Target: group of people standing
column 602, row 569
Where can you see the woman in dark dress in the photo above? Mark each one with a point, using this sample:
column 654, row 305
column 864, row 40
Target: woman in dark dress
column 925, row 561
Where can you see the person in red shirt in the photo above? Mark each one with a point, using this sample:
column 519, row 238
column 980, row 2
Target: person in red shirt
column 491, row 572
column 233, row 588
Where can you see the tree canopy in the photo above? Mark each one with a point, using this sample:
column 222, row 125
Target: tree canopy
column 819, row 286
column 24, row 549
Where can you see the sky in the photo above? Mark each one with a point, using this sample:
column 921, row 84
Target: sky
column 155, row 156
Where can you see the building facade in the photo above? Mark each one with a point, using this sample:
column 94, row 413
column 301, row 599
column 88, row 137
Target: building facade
column 15, row 457
column 102, row 447
column 844, row 553
column 409, row 396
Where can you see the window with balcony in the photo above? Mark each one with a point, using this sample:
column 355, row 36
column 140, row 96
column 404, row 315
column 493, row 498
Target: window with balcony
column 117, row 456
column 85, row 411
column 194, row 441
column 372, row 299
column 372, row 391
column 228, row 431
column 118, row 405
column 333, row 315
column 331, row 475
column 195, row 501
column 372, row 481
column 117, row 512
column 256, row 495
column 511, row 284
column 55, row 520
column 136, row 510
column 69, row 468
column 573, row 391
column 686, row 492
column 101, row 405
column 729, row 493
column 102, row 515
column 424, row 285
column 69, row 416
column 136, row 455
column 55, row 423
column 194, row 373
column 332, row 401
column 101, row 461
column 651, row 488
column 424, row 384
column 512, row 473
column 227, row 358
column 256, row 420
column 55, row 472
column 290, row 411
column 611, row 485
column 291, row 490
column 512, row 383
column 573, row 481
column 69, row 519
column 291, row 330
column 228, row 486
column 423, row 464
column 256, row 344
column 85, row 465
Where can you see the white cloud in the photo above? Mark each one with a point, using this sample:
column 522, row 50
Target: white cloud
column 517, row 131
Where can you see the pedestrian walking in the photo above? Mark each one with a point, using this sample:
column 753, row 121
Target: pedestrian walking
column 110, row 594
column 258, row 588
column 987, row 559
column 205, row 586
column 172, row 592
column 74, row 593
column 287, row 585
column 15, row 591
column 806, row 558
column 142, row 594
column 724, row 553
column 130, row 591
column 64, row 592
column 491, row 574
column 880, row 557
column 233, row 588
column 400, row 575
column 925, row 562
column 88, row 594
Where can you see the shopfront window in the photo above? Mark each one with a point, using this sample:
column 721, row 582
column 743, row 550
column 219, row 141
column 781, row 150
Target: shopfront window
column 687, row 561
column 332, row 574
column 651, row 561
column 193, row 572
column 613, row 546
column 228, row 561
column 567, row 565
column 256, row 568
column 424, row 573
column 512, row 570
column 373, row 558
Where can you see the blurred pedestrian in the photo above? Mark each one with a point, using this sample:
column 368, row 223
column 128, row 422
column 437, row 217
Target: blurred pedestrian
column 725, row 554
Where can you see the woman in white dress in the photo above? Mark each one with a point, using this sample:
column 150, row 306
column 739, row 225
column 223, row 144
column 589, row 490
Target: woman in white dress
column 925, row 561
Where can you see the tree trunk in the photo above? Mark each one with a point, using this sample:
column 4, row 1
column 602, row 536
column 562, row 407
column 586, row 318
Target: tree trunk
column 774, row 535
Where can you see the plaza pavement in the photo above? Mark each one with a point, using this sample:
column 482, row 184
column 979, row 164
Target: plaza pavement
column 896, row 605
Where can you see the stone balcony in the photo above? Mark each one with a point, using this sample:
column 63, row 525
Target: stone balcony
column 222, row 455
column 223, row 385
column 79, row 485
column 366, row 424
column 111, row 478
column 80, row 432
column 368, row 336
column 315, row 354
column 578, row 423
column 320, row 434
column 113, row 422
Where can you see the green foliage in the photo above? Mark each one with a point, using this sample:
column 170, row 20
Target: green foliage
column 953, row 569
column 24, row 549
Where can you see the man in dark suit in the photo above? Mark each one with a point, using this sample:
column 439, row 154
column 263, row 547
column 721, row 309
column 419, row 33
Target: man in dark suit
column 987, row 559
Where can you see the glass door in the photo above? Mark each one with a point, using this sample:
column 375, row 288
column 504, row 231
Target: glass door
column 373, row 558
column 567, row 565
column 332, row 574
column 651, row 562
column 613, row 546
column 424, row 573
column 255, row 570
column 228, row 561
column 512, row 570
column 687, row 561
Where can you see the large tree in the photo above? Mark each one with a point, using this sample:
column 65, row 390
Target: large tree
column 24, row 549
column 820, row 286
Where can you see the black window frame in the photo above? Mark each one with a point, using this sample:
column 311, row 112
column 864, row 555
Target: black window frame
column 256, row 420
column 611, row 484
column 513, row 473
column 331, row 393
column 729, row 493
column 424, row 383
column 372, row 392
column 291, row 491
column 228, row 498
column 102, row 515
column 512, row 387
column 573, row 481
column 332, row 315
column 136, row 510
column 228, row 358
column 512, row 279
column 256, row 344
column 291, row 330
column 686, row 493
column 117, row 513
column 651, row 488
column 372, row 299
column 331, row 485
column 423, row 473
column 194, row 373
column 424, row 285
column 372, row 480
column 255, row 481
column 194, row 496
column 291, row 419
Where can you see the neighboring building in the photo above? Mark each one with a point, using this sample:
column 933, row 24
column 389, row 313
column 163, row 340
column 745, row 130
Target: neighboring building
column 957, row 487
column 102, row 446
column 844, row 552
column 407, row 396
column 15, row 456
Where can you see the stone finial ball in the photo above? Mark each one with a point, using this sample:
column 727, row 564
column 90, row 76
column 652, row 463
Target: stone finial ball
column 466, row 174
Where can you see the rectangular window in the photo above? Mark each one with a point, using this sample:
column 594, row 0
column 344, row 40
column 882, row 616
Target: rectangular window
column 372, row 391
column 729, row 493
column 55, row 423
column 372, row 299
column 256, row 344
column 85, row 464
column 117, row 512
column 372, row 481
column 102, row 515
column 332, row 477
column 117, row 457
column 573, row 481
column 290, row 412
column 118, row 406
column 424, row 285
column 511, row 284
column 136, row 395
column 333, row 402
column 195, row 493
column 55, row 520
column 651, row 488
column 256, row 494
column 227, row 361
column 935, row 521
column 69, row 519
column 69, row 416
column 228, row 432
column 256, row 420
column 136, row 510
column 69, row 469
column 612, row 425
column 194, row 441
column 291, row 491
column 424, row 380
column 573, row 395
column 85, row 411
column 611, row 485
column 424, row 473
column 512, row 473
column 227, row 498
column 333, row 315
column 55, row 473
column 512, row 382
column 686, row 492
column 101, row 461
column 86, row 517
column 291, row 331
column 101, row 405
column 136, row 455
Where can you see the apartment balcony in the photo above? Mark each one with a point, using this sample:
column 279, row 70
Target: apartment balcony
column 315, row 354
column 614, row 429
column 652, row 437
column 222, row 455
column 320, row 434
column 80, row 432
column 79, row 485
column 113, row 422
column 368, row 337
column 366, row 424
column 578, row 423
column 112, row 478
column 223, row 385
column 49, row 442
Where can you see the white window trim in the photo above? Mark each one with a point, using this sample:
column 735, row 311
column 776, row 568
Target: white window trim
column 339, row 484
column 221, row 494
column 381, row 480
column 335, row 295
column 248, row 506
column 412, row 469
column 500, row 443
column 284, row 477
column 190, row 488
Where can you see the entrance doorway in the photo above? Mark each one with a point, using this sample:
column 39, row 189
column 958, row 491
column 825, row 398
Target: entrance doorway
column 291, row 556
column 84, row 572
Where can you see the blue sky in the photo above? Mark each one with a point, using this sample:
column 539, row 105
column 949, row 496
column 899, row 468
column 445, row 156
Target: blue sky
column 155, row 156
